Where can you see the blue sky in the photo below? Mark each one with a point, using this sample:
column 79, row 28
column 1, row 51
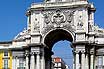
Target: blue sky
column 13, row 19
column 63, row 50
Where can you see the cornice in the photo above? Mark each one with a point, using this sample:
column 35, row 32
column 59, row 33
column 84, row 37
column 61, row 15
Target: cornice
column 59, row 4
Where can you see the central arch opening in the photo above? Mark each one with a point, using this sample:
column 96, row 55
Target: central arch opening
column 58, row 42
column 63, row 50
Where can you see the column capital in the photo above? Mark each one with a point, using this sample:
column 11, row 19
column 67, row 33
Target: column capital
column 77, row 52
column 73, row 51
column 32, row 53
column 91, row 52
column 26, row 53
column 83, row 52
column 37, row 53
column 14, row 57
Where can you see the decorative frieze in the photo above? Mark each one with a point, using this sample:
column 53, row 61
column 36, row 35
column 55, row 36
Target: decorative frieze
column 59, row 18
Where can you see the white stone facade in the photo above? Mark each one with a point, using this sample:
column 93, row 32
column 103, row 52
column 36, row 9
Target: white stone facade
column 51, row 21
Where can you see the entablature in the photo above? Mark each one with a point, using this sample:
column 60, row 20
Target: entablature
column 59, row 4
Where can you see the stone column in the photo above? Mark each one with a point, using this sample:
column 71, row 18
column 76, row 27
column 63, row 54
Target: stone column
column 42, row 60
column 92, row 61
column 83, row 59
column 77, row 60
column 100, row 60
column 37, row 60
column 73, row 59
column 87, row 62
column 32, row 61
column 103, row 60
column 27, row 61
column 73, row 64
column 14, row 63
column 17, row 62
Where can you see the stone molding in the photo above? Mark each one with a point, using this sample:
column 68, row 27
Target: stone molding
column 65, row 4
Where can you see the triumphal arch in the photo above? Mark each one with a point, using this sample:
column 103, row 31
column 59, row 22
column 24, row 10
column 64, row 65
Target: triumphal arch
column 55, row 20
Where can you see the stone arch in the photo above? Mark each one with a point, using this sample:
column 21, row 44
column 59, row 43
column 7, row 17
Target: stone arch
column 56, row 35
column 52, row 37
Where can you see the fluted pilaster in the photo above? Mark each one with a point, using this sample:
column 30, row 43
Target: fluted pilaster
column 14, row 63
column 77, row 60
column 32, row 66
column 27, row 59
column 87, row 62
column 42, row 60
column 83, row 59
column 92, row 60
column 38, row 60
column 103, row 60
